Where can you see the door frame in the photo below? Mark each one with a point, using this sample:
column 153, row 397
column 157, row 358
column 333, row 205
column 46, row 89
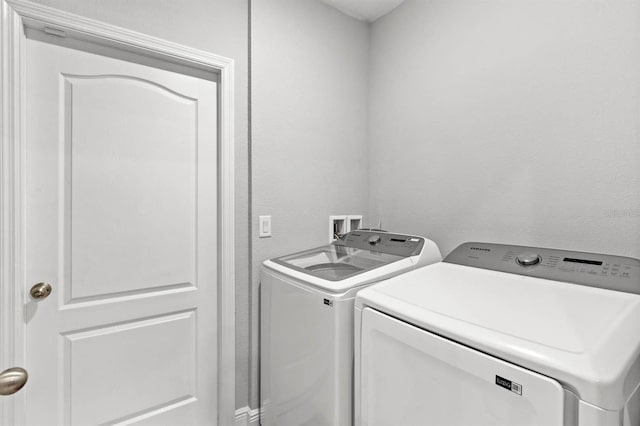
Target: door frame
column 16, row 15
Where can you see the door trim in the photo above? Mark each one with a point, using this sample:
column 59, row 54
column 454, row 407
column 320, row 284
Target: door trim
column 17, row 14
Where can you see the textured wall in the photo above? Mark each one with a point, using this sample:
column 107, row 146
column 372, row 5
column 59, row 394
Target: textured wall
column 309, row 119
column 503, row 121
column 216, row 26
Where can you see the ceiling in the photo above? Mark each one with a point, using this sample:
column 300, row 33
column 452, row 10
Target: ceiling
column 365, row 10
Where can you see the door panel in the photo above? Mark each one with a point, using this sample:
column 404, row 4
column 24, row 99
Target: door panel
column 140, row 352
column 121, row 209
column 138, row 166
column 410, row 377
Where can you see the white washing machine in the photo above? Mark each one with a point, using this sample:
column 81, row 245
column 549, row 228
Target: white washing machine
column 502, row 335
column 306, row 322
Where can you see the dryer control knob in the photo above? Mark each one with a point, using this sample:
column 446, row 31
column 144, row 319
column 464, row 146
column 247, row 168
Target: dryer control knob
column 374, row 239
column 528, row 258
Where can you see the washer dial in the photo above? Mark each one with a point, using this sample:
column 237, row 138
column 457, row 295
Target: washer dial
column 528, row 258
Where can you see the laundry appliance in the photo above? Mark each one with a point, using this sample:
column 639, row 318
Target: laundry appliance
column 306, row 322
column 502, row 335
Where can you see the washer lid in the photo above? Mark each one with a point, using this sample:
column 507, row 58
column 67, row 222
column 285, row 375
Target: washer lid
column 361, row 257
column 358, row 252
column 585, row 337
column 334, row 262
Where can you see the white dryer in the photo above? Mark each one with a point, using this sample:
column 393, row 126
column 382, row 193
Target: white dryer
column 306, row 322
column 502, row 335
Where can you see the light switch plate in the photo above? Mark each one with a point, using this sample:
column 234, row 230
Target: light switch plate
column 265, row 226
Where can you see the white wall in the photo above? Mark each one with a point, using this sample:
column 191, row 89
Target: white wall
column 495, row 120
column 508, row 121
column 216, row 26
column 309, row 119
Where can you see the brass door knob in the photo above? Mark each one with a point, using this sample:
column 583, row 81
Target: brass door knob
column 41, row 291
column 12, row 380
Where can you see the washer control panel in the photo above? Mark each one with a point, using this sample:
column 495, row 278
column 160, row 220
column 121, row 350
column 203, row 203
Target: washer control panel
column 590, row 269
column 383, row 242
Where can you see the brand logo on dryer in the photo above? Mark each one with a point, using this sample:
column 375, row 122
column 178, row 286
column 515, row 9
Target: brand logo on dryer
column 508, row 384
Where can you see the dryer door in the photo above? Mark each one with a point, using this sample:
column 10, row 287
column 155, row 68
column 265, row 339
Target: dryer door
column 409, row 376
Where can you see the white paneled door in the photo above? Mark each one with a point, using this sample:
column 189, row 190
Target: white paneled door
column 121, row 221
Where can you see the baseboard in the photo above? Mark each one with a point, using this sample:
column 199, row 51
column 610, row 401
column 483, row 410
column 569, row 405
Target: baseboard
column 245, row 416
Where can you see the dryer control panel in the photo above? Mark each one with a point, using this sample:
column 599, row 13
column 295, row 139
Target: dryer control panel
column 590, row 269
column 383, row 242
